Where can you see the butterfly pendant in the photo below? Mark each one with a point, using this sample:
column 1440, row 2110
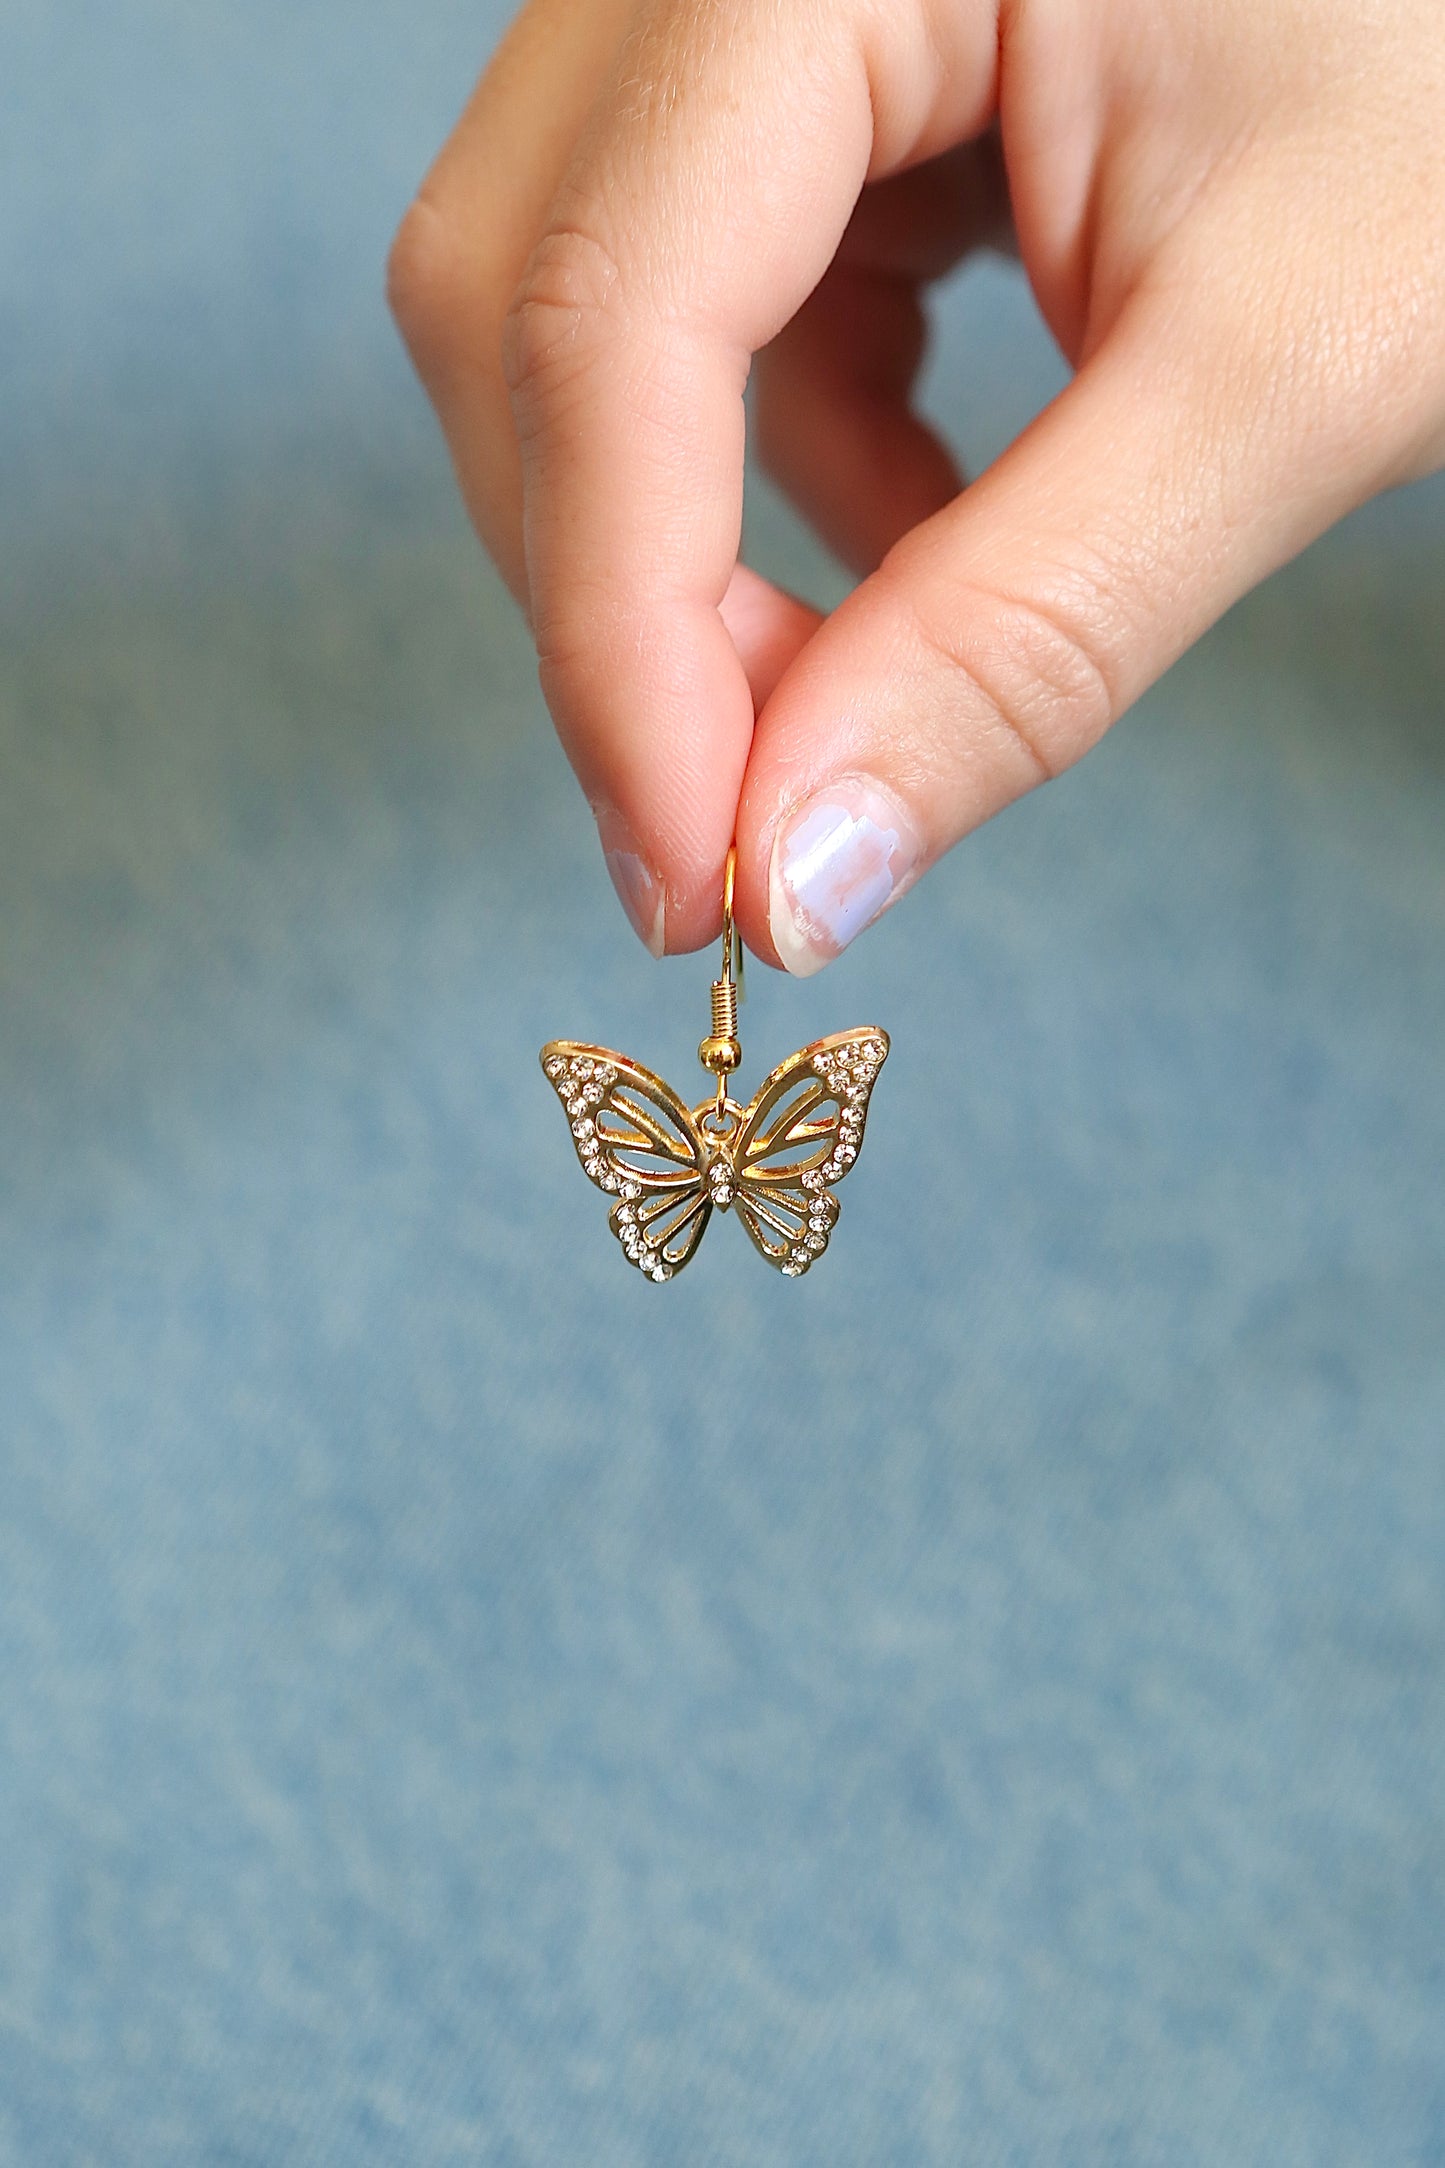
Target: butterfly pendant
column 774, row 1162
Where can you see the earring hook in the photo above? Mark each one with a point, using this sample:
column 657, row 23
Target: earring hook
column 721, row 1052
column 732, row 965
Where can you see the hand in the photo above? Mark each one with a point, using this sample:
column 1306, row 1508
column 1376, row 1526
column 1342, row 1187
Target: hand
column 1233, row 218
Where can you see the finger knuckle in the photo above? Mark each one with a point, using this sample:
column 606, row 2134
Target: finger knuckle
column 1041, row 666
column 568, row 294
column 433, row 280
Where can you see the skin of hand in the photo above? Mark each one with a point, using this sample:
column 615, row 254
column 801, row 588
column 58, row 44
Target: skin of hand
column 1232, row 216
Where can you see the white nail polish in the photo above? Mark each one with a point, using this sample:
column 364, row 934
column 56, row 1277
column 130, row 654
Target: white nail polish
column 839, row 860
column 639, row 890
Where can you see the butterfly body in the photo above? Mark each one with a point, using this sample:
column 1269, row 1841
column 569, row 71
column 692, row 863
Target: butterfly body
column 774, row 1162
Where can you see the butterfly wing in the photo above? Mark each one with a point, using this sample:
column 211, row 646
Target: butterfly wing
column 637, row 1141
column 798, row 1138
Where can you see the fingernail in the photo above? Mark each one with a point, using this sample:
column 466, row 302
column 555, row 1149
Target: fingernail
column 839, row 859
column 639, row 890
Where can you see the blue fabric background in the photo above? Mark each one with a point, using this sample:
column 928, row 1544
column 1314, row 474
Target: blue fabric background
column 458, row 1703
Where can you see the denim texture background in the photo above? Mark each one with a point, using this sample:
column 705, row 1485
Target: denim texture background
column 459, row 1703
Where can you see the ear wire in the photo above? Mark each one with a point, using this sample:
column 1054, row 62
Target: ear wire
column 721, row 1052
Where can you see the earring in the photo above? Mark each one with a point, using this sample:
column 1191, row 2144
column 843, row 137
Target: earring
column 776, row 1161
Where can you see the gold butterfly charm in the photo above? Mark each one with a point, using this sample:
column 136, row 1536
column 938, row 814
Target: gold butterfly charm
column 775, row 1162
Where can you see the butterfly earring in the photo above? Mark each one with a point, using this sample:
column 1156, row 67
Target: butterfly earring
column 775, row 1161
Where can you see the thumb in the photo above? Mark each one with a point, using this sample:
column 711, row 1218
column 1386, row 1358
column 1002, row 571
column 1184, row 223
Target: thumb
column 998, row 640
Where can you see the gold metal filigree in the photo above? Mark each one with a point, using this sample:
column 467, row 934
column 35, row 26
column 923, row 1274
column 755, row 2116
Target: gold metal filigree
column 775, row 1161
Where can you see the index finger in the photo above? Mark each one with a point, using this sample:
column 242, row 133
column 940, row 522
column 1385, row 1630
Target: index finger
column 708, row 195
